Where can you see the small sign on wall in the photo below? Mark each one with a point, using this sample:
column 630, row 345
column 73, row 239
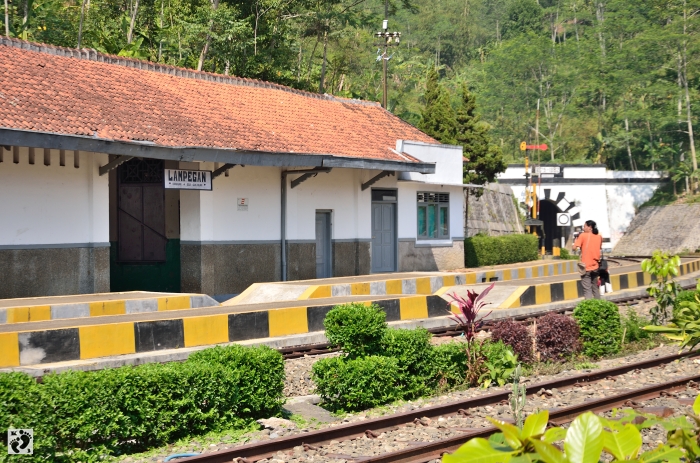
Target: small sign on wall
column 178, row 179
column 242, row 204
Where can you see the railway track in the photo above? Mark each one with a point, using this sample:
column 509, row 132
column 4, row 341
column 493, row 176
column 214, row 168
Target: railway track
column 323, row 348
column 427, row 451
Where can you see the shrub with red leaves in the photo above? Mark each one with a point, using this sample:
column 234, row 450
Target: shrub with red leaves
column 557, row 337
column 515, row 335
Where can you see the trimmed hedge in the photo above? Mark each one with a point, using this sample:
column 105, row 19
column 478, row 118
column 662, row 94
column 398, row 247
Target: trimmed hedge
column 356, row 328
column 357, row 384
column 482, row 250
column 414, row 353
column 601, row 329
column 81, row 415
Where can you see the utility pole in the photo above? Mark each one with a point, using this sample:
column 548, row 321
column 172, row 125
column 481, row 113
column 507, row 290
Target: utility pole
column 387, row 36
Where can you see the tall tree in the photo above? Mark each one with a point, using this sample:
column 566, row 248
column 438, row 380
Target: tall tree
column 485, row 159
column 438, row 118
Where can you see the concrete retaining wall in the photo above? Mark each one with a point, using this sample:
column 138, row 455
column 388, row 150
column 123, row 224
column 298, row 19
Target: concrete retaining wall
column 675, row 229
column 493, row 213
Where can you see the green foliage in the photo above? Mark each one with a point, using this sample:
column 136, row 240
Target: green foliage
column 449, row 365
column 663, row 268
column 414, row 353
column 564, row 254
column 356, row 328
column 482, row 250
column 357, row 384
column 22, row 406
column 500, row 363
column 633, row 326
column 684, row 327
column 523, row 16
column 517, row 399
column 606, row 79
column 685, row 296
column 83, row 414
column 438, row 117
column 601, row 330
column 589, row 439
column 485, row 158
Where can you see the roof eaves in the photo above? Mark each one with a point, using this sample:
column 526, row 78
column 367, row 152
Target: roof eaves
column 34, row 139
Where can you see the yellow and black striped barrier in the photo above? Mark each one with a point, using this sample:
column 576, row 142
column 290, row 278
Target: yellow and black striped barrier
column 97, row 307
column 21, row 348
column 546, row 293
column 431, row 284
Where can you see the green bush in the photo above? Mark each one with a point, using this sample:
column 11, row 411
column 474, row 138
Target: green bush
column 564, row 254
column 449, row 365
column 414, row 353
column 356, row 328
column 81, row 415
column 632, row 326
column 481, row 250
column 684, row 296
column 357, row 384
column 22, row 407
column 601, row 330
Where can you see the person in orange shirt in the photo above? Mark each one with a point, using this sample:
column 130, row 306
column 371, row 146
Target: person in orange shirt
column 590, row 243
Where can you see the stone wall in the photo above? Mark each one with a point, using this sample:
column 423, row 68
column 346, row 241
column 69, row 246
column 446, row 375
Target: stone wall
column 53, row 271
column 492, row 213
column 430, row 258
column 675, row 229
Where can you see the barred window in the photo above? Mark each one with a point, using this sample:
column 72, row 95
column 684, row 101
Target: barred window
column 433, row 216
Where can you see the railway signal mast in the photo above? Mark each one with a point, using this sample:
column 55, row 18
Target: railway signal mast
column 532, row 202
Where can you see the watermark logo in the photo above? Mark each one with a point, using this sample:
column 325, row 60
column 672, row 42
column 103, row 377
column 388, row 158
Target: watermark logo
column 20, row 441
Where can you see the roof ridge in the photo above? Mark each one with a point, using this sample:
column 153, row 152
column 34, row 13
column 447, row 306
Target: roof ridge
column 91, row 54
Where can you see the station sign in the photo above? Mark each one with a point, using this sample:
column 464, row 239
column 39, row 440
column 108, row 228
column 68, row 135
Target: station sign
column 178, row 179
column 547, row 169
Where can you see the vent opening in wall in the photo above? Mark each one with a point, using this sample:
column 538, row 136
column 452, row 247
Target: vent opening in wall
column 433, row 197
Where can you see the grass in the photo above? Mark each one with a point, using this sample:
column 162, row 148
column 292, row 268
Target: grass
column 198, row 444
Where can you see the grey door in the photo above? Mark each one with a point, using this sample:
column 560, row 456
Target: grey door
column 383, row 237
column 323, row 245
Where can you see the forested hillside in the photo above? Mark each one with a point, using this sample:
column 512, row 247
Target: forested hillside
column 617, row 80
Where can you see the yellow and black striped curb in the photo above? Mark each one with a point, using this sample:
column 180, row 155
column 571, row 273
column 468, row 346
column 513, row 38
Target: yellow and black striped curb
column 430, row 285
column 25, row 348
column 568, row 290
column 99, row 308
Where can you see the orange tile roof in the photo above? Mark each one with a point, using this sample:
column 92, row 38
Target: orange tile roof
column 81, row 92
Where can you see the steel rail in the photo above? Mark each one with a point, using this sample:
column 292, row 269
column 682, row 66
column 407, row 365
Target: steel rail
column 424, row 452
column 261, row 450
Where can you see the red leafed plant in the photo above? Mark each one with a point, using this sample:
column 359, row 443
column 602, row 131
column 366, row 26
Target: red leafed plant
column 468, row 319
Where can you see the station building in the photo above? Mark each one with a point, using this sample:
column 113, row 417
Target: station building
column 570, row 194
column 118, row 174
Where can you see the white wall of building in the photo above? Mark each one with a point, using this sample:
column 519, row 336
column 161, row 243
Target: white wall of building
column 213, row 216
column 623, row 201
column 448, row 159
column 611, row 204
column 53, row 205
column 408, row 210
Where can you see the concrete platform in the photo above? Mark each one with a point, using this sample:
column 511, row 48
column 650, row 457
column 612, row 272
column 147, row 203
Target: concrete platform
column 35, row 309
column 179, row 354
column 26, row 344
column 396, row 283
